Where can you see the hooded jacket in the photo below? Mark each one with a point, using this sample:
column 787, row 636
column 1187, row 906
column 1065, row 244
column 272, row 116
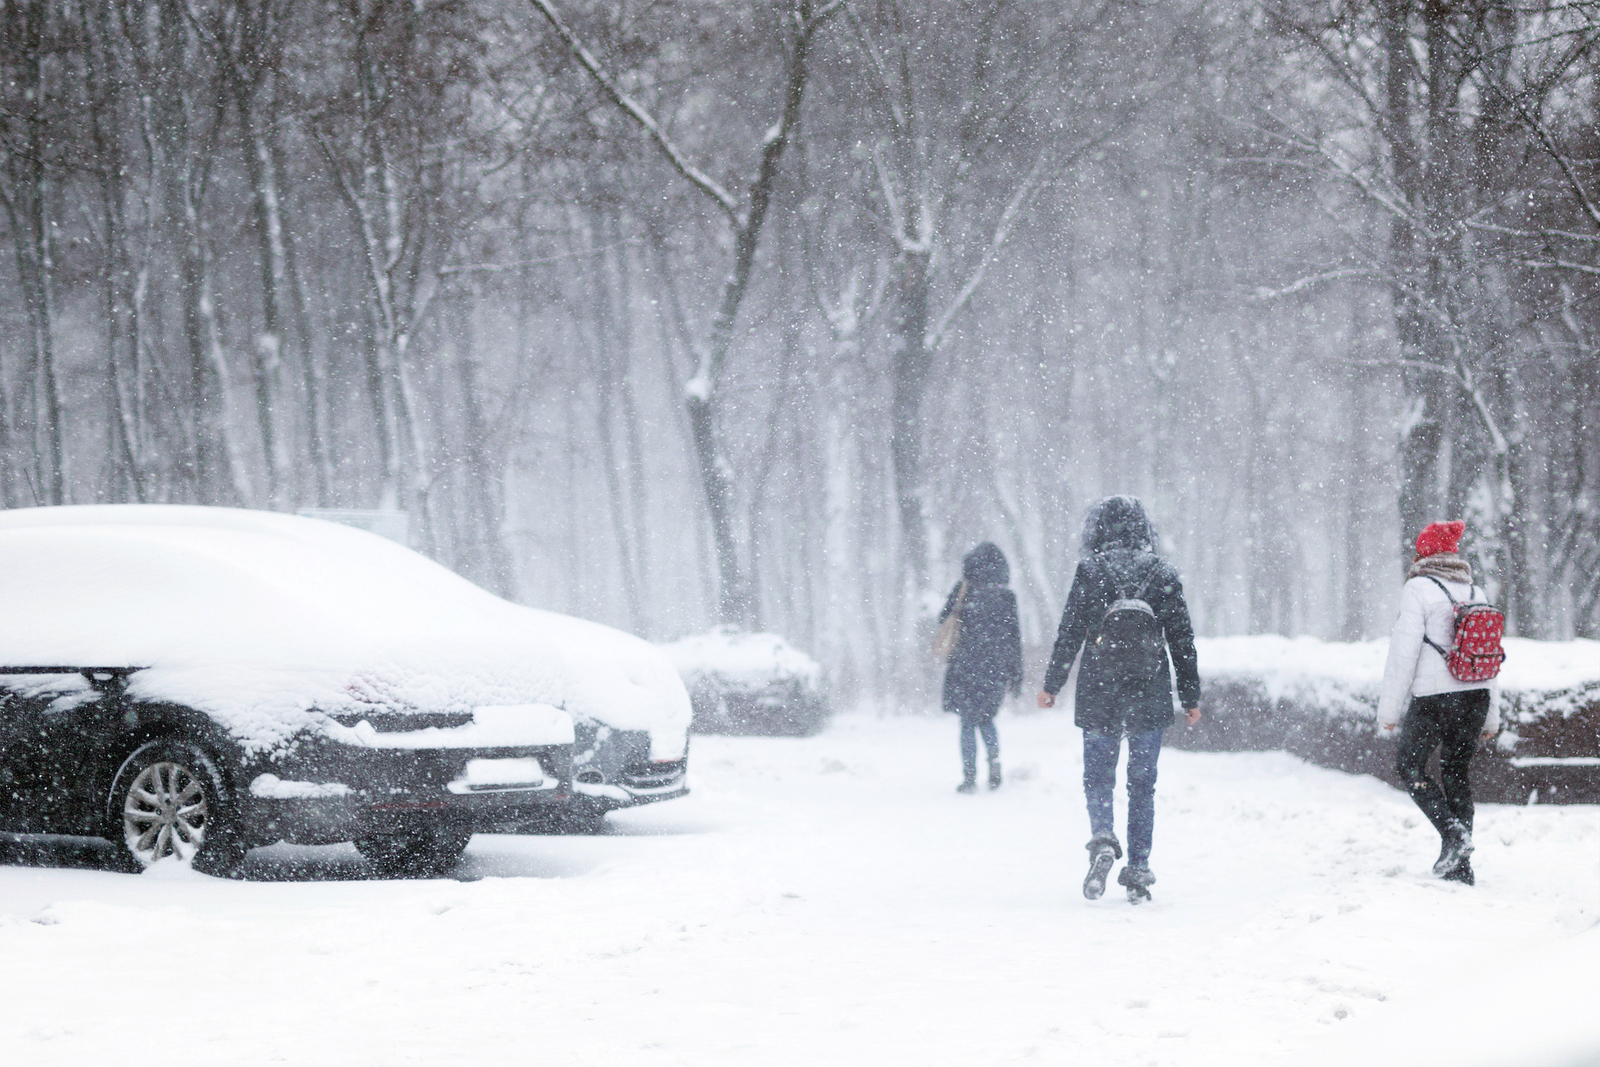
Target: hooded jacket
column 1119, row 558
column 1412, row 669
column 988, row 656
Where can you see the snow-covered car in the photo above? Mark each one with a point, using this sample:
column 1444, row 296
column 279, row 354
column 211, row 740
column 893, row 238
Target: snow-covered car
column 193, row 682
column 750, row 683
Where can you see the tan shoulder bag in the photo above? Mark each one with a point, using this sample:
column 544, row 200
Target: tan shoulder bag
column 944, row 642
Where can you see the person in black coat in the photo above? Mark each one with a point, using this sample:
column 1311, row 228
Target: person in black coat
column 987, row 660
column 1119, row 563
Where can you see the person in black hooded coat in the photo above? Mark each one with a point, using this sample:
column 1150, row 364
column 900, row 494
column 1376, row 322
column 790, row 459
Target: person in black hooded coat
column 987, row 660
column 1119, row 561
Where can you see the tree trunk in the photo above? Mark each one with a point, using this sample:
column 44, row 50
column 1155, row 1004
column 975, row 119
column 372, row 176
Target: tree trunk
column 911, row 366
column 1357, row 484
column 266, row 355
column 104, row 91
column 28, row 208
column 638, row 493
column 485, row 470
column 312, row 372
column 607, row 398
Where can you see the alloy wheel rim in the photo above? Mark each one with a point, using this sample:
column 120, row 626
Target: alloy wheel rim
column 165, row 814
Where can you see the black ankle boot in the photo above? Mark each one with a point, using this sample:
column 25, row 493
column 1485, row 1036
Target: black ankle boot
column 1455, row 848
column 1104, row 850
column 1138, row 881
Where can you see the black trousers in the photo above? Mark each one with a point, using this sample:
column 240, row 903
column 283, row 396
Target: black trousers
column 1450, row 722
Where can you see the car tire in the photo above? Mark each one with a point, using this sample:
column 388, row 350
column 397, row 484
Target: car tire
column 428, row 850
column 168, row 802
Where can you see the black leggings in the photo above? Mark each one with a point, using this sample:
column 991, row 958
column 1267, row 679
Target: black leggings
column 1450, row 722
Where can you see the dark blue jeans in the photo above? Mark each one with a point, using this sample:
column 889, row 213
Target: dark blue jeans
column 969, row 744
column 1100, row 781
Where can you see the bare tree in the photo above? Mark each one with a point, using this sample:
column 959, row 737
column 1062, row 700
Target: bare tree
column 27, row 193
column 937, row 165
column 745, row 219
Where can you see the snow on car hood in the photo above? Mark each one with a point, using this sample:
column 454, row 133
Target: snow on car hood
column 262, row 619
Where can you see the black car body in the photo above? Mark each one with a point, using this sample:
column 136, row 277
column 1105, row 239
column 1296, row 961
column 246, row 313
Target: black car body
column 405, row 742
column 65, row 737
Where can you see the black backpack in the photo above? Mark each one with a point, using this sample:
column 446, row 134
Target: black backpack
column 1131, row 643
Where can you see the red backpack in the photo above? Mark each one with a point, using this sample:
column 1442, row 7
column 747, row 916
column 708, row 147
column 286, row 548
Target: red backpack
column 1475, row 654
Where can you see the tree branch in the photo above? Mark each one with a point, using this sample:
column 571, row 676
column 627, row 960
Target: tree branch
column 1562, row 162
column 1002, row 233
column 1030, row 185
column 1263, row 293
column 1559, row 264
column 489, row 268
column 696, row 177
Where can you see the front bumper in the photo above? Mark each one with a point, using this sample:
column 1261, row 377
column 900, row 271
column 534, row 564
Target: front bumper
column 329, row 792
column 612, row 769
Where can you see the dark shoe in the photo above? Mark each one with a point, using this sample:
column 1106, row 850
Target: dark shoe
column 968, row 786
column 1138, row 881
column 1455, row 849
column 1462, row 872
column 994, row 774
column 1104, row 850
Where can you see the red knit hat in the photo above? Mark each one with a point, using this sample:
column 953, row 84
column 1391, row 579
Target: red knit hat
column 1439, row 537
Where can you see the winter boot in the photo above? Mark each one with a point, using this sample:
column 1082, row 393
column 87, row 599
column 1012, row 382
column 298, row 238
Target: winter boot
column 1104, row 850
column 994, row 772
column 1455, row 850
column 1138, row 880
column 970, row 785
column 1461, row 872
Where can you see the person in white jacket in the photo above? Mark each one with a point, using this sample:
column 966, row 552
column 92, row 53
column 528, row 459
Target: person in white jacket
column 1431, row 708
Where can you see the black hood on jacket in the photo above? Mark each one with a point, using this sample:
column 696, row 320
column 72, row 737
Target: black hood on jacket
column 1118, row 522
column 986, row 565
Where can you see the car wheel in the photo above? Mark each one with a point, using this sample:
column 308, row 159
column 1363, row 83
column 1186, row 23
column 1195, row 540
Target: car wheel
column 422, row 851
column 168, row 803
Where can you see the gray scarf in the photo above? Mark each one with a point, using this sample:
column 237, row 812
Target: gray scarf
column 1446, row 566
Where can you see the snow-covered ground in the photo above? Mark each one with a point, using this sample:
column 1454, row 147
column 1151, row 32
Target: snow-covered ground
column 832, row 899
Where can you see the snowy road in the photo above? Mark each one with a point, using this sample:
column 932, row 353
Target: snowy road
column 828, row 899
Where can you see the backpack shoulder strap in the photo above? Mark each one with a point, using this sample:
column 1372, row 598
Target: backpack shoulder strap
column 1129, row 591
column 1109, row 573
column 1149, row 576
column 1425, row 638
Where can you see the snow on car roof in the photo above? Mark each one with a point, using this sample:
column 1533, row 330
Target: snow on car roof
column 257, row 617
column 750, row 659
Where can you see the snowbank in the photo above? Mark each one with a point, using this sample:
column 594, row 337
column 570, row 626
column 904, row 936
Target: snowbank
column 749, row 683
column 265, row 621
column 1341, row 671
column 1319, row 700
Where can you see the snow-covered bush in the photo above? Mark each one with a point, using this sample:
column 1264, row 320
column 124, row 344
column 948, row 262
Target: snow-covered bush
column 1319, row 699
column 750, row 683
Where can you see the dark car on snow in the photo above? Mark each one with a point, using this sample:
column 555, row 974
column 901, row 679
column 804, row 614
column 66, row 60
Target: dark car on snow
column 190, row 683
